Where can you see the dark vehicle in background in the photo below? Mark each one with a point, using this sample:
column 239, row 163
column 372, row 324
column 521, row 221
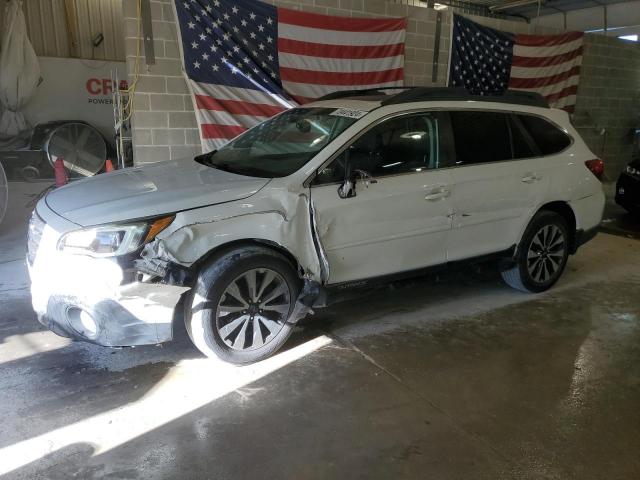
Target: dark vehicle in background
column 628, row 188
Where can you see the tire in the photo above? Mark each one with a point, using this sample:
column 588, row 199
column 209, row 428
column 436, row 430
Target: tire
column 225, row 319
column 542, row 254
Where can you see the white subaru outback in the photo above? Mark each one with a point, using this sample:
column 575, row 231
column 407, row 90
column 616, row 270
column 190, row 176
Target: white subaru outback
column 355, row 188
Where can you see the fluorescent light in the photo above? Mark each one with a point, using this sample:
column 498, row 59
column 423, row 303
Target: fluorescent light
column 633, row 38
column 439, row 6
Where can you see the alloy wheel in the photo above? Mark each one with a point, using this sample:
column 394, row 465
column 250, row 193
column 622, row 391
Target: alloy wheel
column 253, row 309
column 546, row 253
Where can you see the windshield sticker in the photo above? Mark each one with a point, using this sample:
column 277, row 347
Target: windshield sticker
column 348, row 112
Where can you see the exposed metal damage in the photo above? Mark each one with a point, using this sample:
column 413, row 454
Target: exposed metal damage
column 174, row 255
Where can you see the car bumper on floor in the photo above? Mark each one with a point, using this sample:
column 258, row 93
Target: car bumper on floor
column 88, row 299
column 628, row 192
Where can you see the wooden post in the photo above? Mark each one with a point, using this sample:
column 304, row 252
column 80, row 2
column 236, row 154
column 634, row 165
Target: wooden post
column 72, row 27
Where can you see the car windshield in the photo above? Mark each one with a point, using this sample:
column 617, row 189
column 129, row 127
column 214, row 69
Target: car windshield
column 283, row 144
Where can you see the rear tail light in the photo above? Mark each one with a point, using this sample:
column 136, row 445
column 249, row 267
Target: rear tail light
column 596, row 166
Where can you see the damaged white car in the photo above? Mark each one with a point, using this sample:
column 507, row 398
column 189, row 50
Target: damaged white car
column 357, row 187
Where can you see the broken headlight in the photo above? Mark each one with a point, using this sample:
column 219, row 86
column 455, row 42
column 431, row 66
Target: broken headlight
column 112, row 240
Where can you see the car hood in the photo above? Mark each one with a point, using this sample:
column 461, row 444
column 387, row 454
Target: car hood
column 150, row 190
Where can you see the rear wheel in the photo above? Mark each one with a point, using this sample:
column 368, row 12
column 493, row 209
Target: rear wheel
column 240, row 306
column 542, row 254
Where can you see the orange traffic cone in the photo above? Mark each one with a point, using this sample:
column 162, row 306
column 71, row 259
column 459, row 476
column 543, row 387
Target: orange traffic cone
column 60, row 172
column 108, row 166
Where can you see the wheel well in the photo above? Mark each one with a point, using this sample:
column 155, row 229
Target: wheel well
column 565, row 211
column 222, row 249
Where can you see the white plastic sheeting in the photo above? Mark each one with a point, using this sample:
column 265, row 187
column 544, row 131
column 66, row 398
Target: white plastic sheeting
column 19, row 71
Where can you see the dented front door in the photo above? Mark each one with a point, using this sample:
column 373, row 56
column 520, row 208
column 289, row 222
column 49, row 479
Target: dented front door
column 398, row 224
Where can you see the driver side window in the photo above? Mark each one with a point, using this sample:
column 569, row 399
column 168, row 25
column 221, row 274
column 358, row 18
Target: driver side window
column 404, row 144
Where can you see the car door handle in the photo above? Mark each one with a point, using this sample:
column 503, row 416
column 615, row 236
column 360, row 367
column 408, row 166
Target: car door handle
column 437, row 194
column 530, row 178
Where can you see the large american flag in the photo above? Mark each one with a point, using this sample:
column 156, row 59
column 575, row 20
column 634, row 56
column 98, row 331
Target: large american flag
column 247, row 60
column 487, row 61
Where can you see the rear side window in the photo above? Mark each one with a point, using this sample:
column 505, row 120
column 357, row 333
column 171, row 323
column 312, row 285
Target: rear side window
column 521, row 142
column 481, row 137
column 548, row 138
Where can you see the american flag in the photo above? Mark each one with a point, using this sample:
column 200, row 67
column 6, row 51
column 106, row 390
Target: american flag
column 487, row 61
column 247, row 60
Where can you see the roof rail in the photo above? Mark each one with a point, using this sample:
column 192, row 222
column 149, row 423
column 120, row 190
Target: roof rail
column 424, row 94
column 357, row 93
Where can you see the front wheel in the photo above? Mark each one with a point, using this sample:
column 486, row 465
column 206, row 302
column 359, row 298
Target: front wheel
column 239, row 309
column 542, row 254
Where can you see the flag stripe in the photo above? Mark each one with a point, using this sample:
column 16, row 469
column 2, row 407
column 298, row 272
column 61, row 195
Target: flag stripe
column 359, row 39
column 543, row 81
column 565, row 92
column 546, row 51
column 554, row 87
column 206, row 102
column 226, row 118
column 547, row 40
column 287, row 45
column 519, row 72
column 309, row 92
column 345, row 24
column 213, row 130
column 531, row 62
column 339, row 78
column 305, row 62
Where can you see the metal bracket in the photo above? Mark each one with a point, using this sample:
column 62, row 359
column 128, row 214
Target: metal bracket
column 147, row 32
column 436, row 47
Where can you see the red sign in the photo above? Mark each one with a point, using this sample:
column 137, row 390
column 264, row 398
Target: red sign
column 103, row 86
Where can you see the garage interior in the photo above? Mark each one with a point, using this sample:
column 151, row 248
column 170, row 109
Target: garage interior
column 448, row 375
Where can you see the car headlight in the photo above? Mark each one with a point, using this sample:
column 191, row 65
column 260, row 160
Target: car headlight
column 633, row 171
column 112, row 240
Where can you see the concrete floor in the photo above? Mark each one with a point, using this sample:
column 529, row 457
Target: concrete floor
column 455, row 376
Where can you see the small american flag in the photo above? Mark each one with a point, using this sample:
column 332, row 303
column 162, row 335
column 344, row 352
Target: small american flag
column 247, row 60
column 487, row 61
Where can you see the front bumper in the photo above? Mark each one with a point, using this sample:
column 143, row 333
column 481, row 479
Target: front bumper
column 628, row 191
column 83, row 298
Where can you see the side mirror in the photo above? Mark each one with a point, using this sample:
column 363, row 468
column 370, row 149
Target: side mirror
column 348, row 188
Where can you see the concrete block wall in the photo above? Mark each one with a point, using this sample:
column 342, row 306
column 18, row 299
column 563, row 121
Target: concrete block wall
column 609, row 98
column 163, row 121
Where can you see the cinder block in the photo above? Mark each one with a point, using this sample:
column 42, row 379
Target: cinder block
column 327, row 3
column 177, row 85
column 353, row 5
column 164, row 30
column 144, row 155
column 142, row 137
column 185, row 151
column 192, row 137
column 151, row 84
column 166, row 67
column 168, row 136
column 377, row 7
column 167, row 102
column 150, row 119
column 182, row 120
column 141, row 102
column 171, row 49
